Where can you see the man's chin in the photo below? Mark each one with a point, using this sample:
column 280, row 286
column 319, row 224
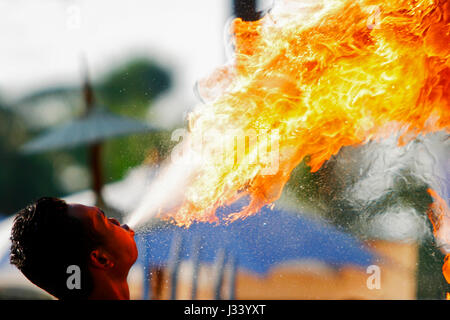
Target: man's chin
column 135, row 252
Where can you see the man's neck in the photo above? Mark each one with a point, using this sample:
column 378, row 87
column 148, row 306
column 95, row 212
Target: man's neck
column 109, row 288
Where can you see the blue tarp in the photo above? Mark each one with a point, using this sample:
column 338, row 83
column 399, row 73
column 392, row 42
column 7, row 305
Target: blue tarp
column 258, row 242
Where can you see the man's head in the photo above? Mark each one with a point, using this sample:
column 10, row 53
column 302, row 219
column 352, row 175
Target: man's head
column 50, row 235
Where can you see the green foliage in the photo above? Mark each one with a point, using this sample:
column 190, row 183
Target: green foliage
column 119, row 155
column 431, row 283
column 129, row 88
column 22, row 178
column 305, row 185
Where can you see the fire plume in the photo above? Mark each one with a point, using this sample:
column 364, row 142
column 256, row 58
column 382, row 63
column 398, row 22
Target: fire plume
column 446, row 268
column 439, row 215
column 323, row 75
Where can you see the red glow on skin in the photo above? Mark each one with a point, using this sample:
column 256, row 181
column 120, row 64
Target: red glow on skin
column 111, row 261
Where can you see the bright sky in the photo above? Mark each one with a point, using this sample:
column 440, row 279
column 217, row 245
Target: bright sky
column 41, row 40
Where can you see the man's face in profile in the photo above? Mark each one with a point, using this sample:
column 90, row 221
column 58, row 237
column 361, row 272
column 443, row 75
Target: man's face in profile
column 117, row 240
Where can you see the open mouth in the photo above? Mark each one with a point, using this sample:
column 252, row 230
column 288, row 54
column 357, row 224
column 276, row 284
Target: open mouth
column 126, row 227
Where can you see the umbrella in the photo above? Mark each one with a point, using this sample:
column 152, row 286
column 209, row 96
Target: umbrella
column 257, row 244
column 96, row 126
column 99, row 125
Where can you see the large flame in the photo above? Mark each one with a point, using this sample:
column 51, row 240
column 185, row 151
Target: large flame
column 321, row 75
column 439, row 215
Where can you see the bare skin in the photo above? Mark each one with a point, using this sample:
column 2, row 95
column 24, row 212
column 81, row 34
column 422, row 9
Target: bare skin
column 109, row 263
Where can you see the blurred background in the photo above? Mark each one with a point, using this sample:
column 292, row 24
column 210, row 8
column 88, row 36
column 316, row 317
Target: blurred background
column 125, row 74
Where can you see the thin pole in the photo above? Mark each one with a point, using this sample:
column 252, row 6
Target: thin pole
column 96, row 169
column 232, row 279
column 94, row 149
column 174, row 263
column 147, row 287
column 196, row 266
column 221, row 260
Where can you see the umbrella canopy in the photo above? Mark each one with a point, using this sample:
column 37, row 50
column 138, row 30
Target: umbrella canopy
column 257, row 243
column 97, row 126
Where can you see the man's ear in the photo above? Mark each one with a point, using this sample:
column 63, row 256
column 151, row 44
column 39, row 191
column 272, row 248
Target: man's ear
column 100, row 259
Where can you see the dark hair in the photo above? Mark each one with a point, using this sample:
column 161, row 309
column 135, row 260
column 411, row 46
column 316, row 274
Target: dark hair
column 46, row 240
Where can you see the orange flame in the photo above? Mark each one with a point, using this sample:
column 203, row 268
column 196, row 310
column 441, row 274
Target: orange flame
column 323, row 75
column 446, row 268
column 439, row 215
